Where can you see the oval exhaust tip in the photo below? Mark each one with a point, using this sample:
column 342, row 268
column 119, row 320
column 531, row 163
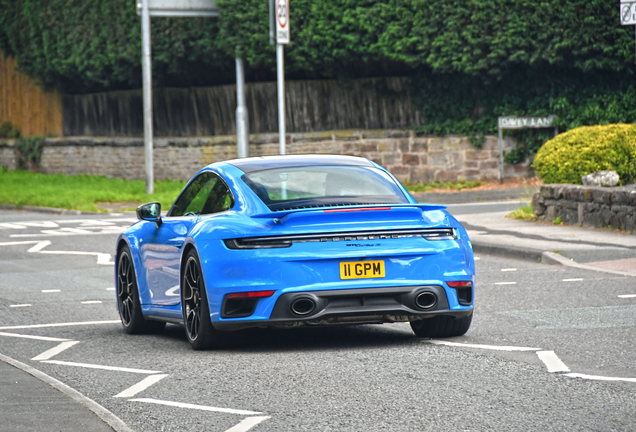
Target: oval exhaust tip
column 303, row 306
column 426, row 300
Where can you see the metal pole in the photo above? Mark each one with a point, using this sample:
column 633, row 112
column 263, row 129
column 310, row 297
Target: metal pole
column 242, row 125
column 501, row 156
column 147, row 94
column 280, row 65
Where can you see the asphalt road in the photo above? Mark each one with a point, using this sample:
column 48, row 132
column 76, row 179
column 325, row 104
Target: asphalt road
column 535, row 326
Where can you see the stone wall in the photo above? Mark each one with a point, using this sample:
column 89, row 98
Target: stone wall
column 588, row 206
column 408, row 156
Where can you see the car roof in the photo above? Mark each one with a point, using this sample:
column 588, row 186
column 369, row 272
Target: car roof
column 252, row 164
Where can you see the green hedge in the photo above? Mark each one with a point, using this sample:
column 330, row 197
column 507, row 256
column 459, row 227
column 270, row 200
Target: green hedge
column 584, row 150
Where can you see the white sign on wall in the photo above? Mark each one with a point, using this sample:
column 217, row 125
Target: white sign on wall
column 628, row 12
column 282, row 21
column 181, row 8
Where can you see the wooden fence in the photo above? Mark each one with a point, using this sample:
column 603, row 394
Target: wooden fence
column 23, row 103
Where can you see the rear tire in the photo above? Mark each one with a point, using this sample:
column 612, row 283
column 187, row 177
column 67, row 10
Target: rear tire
column 128, row 298
column 441, row 326
column 196, row 311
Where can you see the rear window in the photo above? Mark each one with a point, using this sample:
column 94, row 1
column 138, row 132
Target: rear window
column 323, row 186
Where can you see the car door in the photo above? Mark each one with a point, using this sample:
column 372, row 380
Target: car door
column 162, row 246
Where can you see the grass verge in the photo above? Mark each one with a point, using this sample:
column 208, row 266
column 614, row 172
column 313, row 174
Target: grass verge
column 524, row 212
column 81, row 192
column 438, row 184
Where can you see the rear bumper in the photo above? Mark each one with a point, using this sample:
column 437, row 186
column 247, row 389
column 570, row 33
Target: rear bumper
column 353, row 306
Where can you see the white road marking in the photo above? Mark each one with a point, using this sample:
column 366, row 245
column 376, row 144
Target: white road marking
column 109, row 368
column 573, row 280
column 488, row 347
column 505, row 283
column 11, row 226
column 16, row 243
column 477, row 258
column 48, row 354
column 20, row 305
column 247, row 424
column 62, row 232
column 41, row 245
column 198, row 407
column 42, row 338
column 51, row 291
column 508, row 269
column 141, row 386
column 552, row 361
column 92, row 302
column 599, row 378
column 102, row 258
column 59, row 325
column 627, row 296
column 110, row 289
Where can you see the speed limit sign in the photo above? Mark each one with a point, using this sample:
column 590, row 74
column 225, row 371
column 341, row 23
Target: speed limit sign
column 282, row 21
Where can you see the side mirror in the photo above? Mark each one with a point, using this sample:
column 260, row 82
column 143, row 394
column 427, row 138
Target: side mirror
column 150, row 212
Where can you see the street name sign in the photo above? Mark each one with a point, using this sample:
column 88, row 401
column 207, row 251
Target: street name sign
column 628, row 12
column 513, row 122
column 181, row 8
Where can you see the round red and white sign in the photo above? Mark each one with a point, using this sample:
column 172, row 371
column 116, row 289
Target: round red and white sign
column 281, row 9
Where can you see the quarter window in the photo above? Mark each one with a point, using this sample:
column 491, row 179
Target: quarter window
column 206, row 194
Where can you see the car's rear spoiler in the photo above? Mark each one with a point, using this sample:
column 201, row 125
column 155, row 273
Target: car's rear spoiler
column 349, row 208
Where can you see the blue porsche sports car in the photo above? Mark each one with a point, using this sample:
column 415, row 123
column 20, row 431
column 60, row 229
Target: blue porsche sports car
column 284, row 241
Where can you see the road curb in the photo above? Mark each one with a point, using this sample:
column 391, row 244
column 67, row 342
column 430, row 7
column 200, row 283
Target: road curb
column 105, row 415
column 50, row 210
column 474, row 196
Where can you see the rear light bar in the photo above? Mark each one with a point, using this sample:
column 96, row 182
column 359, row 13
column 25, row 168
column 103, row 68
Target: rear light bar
column 431, row 234
column 460, row 284
column 250, row 294
column 356, row 209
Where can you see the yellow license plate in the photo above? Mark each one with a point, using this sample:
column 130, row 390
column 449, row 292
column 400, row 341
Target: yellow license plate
column 361, row 269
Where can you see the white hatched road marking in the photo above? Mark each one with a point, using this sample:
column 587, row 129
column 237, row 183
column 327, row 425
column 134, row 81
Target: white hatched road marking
column 141, row 386
column 479, row 346
column 51, row 291
column 599, row 378
column 42, row 338
column 102, row 367
column 91, row 302
column 508, row 269
column 552, row 362
column 627, row 296
column 247, row 424
column 48, row 354
column 102, row 258
column 505, row 283
column 68, row 324
column 197, row 407
column 573, row 280
column 20, row 305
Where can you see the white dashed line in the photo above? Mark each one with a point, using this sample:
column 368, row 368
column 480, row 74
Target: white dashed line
column 479, row 346
column 599, row 378
column 48, row 354
column 552, row 361
column 141, row 386
column 509, row 270
column 477, row 258
column 505, row 283
column 247, row 424
column 94, row 366
column 92, row 302
column 59, row 325
column 110, row 289
column 573, row 280
column 627, row 296
column 51, row 291
column 20, row 305
column 198, row 407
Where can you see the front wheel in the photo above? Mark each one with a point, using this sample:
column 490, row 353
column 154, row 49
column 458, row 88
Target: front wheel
column 196, row 311
column 441, row 326
column 128, row 298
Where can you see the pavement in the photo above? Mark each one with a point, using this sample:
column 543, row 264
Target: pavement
column 39, row 402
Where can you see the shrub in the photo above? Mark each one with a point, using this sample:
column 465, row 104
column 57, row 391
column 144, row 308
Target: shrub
column 584, row 150
column 29, row 152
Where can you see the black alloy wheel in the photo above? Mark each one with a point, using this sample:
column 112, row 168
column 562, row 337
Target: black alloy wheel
column 441, row 326
column 196, row 311
column 128, row 298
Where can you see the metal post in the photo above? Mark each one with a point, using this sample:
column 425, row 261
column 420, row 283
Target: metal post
column 242, row 125
column 280, row 65
column 146, row 67
column 501, row 156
